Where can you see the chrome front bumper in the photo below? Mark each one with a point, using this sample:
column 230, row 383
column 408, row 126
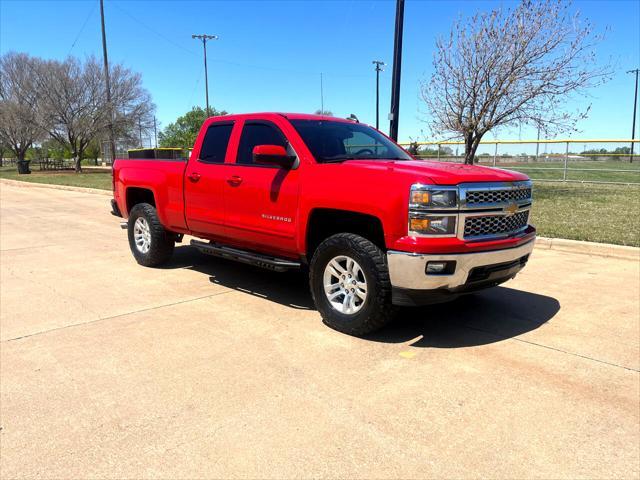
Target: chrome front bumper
column 408, row 270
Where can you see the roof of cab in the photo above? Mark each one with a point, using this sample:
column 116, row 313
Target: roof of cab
column 290, row 116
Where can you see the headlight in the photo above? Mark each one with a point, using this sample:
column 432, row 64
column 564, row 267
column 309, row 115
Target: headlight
column 422, row 224
column 430, row 196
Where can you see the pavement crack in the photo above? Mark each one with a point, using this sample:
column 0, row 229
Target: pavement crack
column 586, row 357
column 96, row 320
column 33, row 247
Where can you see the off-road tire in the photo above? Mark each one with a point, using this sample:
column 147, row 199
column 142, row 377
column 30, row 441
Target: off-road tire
column 162, row 241
column 377, row 310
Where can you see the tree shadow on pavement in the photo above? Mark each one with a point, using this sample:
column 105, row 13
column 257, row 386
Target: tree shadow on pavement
column 477, row 319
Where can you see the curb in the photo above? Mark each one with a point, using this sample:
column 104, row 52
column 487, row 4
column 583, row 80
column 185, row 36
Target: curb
column 588, row 248
column 18, row 183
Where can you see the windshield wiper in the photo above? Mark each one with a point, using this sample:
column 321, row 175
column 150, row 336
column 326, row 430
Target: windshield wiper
column 337, row 159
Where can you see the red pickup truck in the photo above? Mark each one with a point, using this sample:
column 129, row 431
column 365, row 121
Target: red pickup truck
column 374, row 226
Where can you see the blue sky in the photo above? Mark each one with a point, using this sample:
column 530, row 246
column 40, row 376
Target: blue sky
column 270, row 54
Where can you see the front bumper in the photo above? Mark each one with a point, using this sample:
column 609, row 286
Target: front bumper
column 473, row 271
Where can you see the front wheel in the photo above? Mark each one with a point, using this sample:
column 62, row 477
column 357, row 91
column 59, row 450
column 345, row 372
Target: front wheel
column 349, row 280
column 150, row 243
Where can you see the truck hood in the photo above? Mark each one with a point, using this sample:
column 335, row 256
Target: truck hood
column 441, row 173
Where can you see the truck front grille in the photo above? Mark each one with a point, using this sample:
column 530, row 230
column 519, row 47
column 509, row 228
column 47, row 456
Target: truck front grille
column 495, row 224
column 498, row 196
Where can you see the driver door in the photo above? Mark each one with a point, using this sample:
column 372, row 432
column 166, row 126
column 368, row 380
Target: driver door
column 261, row 201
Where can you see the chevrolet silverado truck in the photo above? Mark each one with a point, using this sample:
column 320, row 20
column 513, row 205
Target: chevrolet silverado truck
column 374, row 227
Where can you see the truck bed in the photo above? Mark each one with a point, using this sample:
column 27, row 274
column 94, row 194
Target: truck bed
column 165, row 178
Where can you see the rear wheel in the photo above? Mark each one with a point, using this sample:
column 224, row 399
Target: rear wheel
column 150, row 243
column 350, row 284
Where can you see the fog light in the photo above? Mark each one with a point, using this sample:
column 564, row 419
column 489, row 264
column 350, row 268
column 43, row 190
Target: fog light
column 440, row 268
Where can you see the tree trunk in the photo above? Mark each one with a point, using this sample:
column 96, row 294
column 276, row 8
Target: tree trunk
column 469, row 151
column 78, row 166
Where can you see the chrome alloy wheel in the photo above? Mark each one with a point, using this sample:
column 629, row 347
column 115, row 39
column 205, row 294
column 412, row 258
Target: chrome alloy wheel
column 142, row 235
column 345, row 285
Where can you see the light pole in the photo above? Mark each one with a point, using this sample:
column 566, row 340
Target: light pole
column 379, row 64
column 397, row 67
column 204, row 37
column 635, row 104
column 112, row 141
column 155, row 132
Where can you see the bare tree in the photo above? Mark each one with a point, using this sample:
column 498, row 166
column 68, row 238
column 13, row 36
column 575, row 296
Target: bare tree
column 512, row 66
column 20, row 125
column 74, row 102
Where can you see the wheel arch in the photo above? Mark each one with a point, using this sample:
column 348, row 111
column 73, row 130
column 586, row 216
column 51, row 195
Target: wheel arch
column 136, row 195
column 325, row 222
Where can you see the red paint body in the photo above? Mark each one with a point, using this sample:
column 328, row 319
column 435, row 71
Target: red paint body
column 266, row 208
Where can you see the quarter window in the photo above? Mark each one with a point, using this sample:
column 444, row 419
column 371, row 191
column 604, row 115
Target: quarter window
column 214, row 145
column 257, row 134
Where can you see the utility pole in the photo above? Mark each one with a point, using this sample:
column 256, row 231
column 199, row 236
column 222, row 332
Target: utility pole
column 397, row 67
column 155, row 132
column 635, row 105
column 112, row 141
column 321, row 96
column 379, row 69
column 140, row 132
column 204, row 38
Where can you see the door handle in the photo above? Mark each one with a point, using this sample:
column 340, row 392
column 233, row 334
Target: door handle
column 234, row 180
column 194, row 177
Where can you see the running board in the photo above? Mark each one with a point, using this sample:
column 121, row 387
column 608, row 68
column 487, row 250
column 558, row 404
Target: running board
column 259, row 260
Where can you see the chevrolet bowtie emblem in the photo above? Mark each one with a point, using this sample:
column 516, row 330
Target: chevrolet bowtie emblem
column 511, row 209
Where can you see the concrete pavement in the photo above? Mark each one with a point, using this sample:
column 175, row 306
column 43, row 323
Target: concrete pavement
column 212, row 369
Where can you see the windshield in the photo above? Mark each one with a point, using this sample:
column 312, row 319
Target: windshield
column 331, row 141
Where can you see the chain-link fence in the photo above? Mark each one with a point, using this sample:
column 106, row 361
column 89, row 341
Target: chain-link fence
column 586, row 161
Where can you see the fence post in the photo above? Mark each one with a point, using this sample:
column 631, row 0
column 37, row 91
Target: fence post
column 495, row 154
column 566, row 161
column 438, row 152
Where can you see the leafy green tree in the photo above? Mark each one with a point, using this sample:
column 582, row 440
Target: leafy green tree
column 94, row 150
column 183, row 132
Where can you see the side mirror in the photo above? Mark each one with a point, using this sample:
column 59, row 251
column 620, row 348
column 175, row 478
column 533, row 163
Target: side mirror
column 272, row 155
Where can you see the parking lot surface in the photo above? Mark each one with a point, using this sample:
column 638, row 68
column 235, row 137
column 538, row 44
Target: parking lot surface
column 208, row 368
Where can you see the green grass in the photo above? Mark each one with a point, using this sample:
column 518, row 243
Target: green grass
column 596, row 213
column 89, row 179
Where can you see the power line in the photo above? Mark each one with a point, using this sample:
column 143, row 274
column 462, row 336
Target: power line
column 159, row 34
column 86, row 20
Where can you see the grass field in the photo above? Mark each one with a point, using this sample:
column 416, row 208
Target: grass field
column 596, row 213
column 101, row 180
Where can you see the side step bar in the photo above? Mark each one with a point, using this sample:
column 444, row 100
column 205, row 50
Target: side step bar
column 264, row 261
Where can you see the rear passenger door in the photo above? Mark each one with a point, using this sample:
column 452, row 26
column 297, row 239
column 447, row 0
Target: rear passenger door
column 204, row 182
column 261, row 200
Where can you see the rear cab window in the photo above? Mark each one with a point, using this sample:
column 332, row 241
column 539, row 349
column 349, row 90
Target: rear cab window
column 215, row 143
